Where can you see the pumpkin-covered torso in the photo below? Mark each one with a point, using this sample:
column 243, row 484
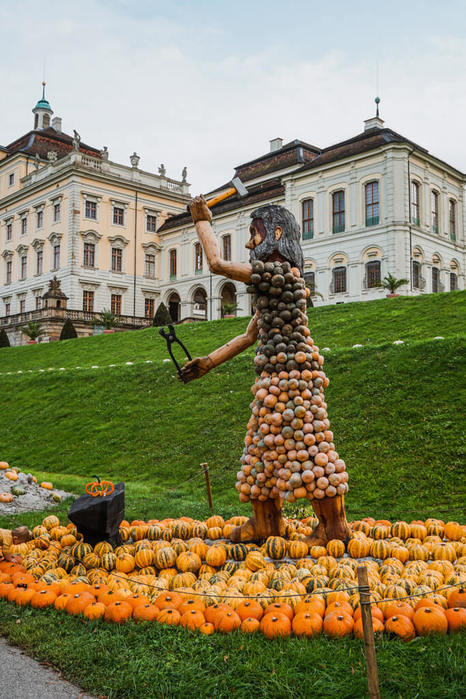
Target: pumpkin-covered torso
column 289, row 450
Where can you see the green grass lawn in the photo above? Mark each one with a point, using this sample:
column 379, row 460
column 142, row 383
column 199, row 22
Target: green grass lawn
column 396, row 414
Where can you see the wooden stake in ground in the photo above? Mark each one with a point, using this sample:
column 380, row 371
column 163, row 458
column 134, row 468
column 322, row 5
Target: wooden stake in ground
column 369, row 645
column 205, row 468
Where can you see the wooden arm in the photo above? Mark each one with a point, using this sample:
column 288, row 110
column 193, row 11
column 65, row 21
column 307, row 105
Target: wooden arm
column 239, row 271
column 237, row 345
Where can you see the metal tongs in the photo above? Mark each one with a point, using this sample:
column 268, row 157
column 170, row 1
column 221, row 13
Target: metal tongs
column 170, row 338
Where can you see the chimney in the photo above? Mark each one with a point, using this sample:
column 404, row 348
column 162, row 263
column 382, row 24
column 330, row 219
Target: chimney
column 373, row 123
column 56, row 124
column 276, row 144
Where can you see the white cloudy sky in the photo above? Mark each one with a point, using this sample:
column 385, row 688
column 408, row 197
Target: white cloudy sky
column 207, row 83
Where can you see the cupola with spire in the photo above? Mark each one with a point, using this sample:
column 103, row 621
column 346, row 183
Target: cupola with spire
column 42, row 112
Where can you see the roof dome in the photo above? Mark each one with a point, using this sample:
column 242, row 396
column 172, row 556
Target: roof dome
column 43, row 103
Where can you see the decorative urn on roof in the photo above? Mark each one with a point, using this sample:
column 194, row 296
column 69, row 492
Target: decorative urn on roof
column 54, row 297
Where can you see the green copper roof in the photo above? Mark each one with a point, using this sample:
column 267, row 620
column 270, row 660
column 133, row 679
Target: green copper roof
column 43, row 104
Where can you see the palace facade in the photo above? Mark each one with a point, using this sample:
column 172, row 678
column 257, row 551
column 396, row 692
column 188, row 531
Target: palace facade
column 68, row 211
column 118, row 237
column 372, row 205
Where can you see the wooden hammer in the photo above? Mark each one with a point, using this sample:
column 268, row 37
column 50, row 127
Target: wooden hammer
column 237, row 188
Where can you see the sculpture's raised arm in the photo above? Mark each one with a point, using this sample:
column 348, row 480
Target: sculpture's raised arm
column 240, row 271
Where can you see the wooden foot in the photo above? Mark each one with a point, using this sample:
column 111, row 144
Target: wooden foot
column 332, row 521
column 267, row 521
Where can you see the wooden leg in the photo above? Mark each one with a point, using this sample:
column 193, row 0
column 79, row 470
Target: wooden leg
column 332, row 521
column 267, row 521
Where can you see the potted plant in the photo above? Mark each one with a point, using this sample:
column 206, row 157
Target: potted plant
column 229, row 309
column 391, row 283
column 33, row 331
column 109, row 320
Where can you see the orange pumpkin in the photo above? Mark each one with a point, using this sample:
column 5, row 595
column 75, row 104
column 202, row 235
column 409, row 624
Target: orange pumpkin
column 94, row 610
column 250, row 625
column 273, row 625
column 78, row 603
column 190, row 604
column 377, row 627
column 457, row 598
column 248, row 609
column 312, row 603
column 6, row 497
column 207, row 628
column 168, row 600
column 397, row 608
column 307, row 624
column 42, row 599
column 192, row 619
column 429, row 620
column 337, row 625
column 46, row 485
column 214, row 612
column 375, row 613
column 401, row 626
column 11, row 475
column 118, row 612
column 227, row 622
column 456, row 618
column 169, row 616
column 278, row 608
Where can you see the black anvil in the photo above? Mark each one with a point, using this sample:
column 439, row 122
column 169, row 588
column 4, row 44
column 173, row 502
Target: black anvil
column 99, row 518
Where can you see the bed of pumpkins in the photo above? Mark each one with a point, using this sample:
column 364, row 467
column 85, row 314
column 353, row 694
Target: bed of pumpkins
column 185, row 572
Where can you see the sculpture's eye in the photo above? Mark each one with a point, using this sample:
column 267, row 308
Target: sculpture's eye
column 252, row 231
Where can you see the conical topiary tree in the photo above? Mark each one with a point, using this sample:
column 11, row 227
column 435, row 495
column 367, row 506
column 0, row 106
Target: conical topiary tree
column 4, row 341
column 162, row 316
column 68, row 331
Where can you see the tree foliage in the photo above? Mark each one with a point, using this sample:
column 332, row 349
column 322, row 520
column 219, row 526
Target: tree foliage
column 4, row 341
column 162, row 316
column 68, row 331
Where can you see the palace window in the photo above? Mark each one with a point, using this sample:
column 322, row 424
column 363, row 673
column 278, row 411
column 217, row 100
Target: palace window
column 197, row 258
column 39, row 261
column 56, row 212
column 7, row 308
column 150, row 266
column 415, row 203
column 308, row 219
column 117, row 257
column 38, row 302
column 172, row 264
column 9, row 268
column 89, row 255
column 151, row 223
column 453, row 281
column 310, row 280
column 24, row 263
column 115, row 304
column 9, row 230
column 435, row 280
column 339, row 280
column 88, row 301
column 91, row 209
column 372, row 274
column 226, row 242
column 40, row 219
column 22, row 306
column 56, row 256
column 338, row 211
column 452, row 218
column 434, row 204
column 11, row 179
column 372, row 203
column 118, row 215
column 24, row 225
column 148, row 308
column 416, row 274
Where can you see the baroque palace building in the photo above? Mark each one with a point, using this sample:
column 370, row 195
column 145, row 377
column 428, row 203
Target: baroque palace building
column 372, row 205
column 117, row 237
column 68, row 211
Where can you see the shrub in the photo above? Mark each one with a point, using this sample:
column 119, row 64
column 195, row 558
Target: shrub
column 68, row 331
column 162, row 316
column 4, row 341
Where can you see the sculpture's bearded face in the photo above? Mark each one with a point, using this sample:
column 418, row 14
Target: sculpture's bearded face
column 275, row 236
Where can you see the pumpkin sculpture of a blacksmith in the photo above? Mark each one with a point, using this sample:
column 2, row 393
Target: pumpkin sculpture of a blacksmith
column 289, row 451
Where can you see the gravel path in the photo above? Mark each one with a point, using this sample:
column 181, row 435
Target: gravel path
column 21, row 677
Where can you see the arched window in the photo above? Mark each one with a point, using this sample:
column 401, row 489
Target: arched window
column 46, row 121
column 197, row 258
column 415, row 203
column 308, row 219
column 200, row 304
column 310, row 279
column 172, row 254
column 174, row 304
column 435, row 280
column 434, row 204
column 338, row 285
column 416, row 274
column 372, row 203
column 229, row 303
column 452, row 218
column 453, row 281
column 338, row 211
column 372, row 274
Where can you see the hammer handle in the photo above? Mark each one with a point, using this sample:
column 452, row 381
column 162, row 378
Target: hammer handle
column 220, row 197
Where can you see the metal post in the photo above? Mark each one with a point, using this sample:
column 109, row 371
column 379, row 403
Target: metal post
column 205, row 468
column 369, row 645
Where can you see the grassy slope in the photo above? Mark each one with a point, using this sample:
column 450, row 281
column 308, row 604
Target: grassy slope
column 394, row 411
